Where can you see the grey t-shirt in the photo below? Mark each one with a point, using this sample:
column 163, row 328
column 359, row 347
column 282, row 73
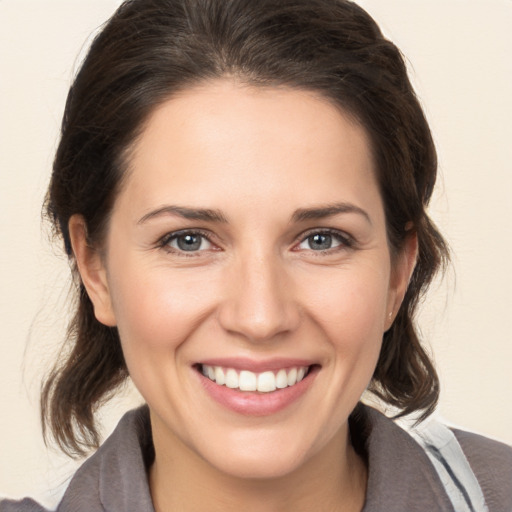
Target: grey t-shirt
column 401, row 477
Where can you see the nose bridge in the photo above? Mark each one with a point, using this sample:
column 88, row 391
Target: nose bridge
column 259, row 305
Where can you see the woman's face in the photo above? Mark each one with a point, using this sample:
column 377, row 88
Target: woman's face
column 248, row 243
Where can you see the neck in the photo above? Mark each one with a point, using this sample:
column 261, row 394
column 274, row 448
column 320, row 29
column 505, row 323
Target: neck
column 333, row 480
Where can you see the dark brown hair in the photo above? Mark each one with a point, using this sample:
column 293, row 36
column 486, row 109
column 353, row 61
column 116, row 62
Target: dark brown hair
column 149, row 50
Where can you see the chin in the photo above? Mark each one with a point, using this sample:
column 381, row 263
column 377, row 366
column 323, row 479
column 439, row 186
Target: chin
column 258, row 467
column 263, row 457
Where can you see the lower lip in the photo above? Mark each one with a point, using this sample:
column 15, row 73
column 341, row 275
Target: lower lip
column 252, row 403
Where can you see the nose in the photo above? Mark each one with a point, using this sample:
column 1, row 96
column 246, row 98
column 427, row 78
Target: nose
column 259, row 304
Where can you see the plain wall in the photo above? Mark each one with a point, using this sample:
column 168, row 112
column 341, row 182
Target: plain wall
column 459, row 54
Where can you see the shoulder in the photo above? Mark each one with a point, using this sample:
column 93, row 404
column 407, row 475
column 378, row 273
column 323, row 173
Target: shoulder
column 25, row 505
column 400, row 475
column 427, row 466
column 113, row 478
column 491, row 462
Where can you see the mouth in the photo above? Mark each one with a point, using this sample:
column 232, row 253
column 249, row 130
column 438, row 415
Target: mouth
column 252, row 388
column 249, row 381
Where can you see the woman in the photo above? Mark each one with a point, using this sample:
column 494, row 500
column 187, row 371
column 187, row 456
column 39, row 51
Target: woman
column 241, row 188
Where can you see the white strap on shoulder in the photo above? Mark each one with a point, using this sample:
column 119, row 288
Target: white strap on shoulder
column 452, row 466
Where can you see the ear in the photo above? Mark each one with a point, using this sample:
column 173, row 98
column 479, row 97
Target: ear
column 401, row 272
column 92, row 271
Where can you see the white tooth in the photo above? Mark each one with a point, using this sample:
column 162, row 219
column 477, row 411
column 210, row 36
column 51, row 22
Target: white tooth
column 204, row 370
column 211, row 372
column 292, row 377
column 281, row 379
column 220, row 378
column 231, row 378
column 300, row 374
column 266, row 382
column 247, row 380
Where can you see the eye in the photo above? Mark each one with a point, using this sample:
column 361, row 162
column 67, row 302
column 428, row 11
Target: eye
column 324, row 241
column 186, row 241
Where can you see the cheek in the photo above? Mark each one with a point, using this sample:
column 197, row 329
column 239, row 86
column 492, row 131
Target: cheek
column 156, row 309
column 157, row 312
column 356, row 334
column 351, row 307
column 351, row 312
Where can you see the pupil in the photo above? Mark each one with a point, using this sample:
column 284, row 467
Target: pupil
column 319, row 241
column 189, row 242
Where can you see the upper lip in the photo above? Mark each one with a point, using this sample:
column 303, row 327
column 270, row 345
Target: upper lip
column 243, row 363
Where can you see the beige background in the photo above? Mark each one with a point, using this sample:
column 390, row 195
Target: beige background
column 459, row 52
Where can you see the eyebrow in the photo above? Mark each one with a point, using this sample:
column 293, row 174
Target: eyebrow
column 300, row 215
column 324, row 211
column 204, row 214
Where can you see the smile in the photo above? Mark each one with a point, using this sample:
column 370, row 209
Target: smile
column 245, row 380
column 256, row 388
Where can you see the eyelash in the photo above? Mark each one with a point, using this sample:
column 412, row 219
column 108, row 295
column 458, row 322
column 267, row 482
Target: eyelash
column 346, row 241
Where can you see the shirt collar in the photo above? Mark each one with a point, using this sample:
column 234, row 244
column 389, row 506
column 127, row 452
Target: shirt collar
column 400, row 475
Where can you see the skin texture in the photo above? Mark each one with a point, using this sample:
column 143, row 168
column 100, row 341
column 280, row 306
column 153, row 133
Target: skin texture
column 256, row 289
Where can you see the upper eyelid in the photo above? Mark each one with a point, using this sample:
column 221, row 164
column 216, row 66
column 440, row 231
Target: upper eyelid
column 308, row 232
column 181, row 232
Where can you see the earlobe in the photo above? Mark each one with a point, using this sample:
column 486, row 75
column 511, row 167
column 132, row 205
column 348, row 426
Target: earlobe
column 92, row 271
column 402, row 271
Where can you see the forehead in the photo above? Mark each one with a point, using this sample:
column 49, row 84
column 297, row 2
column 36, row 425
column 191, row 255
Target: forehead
column 223, row 140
